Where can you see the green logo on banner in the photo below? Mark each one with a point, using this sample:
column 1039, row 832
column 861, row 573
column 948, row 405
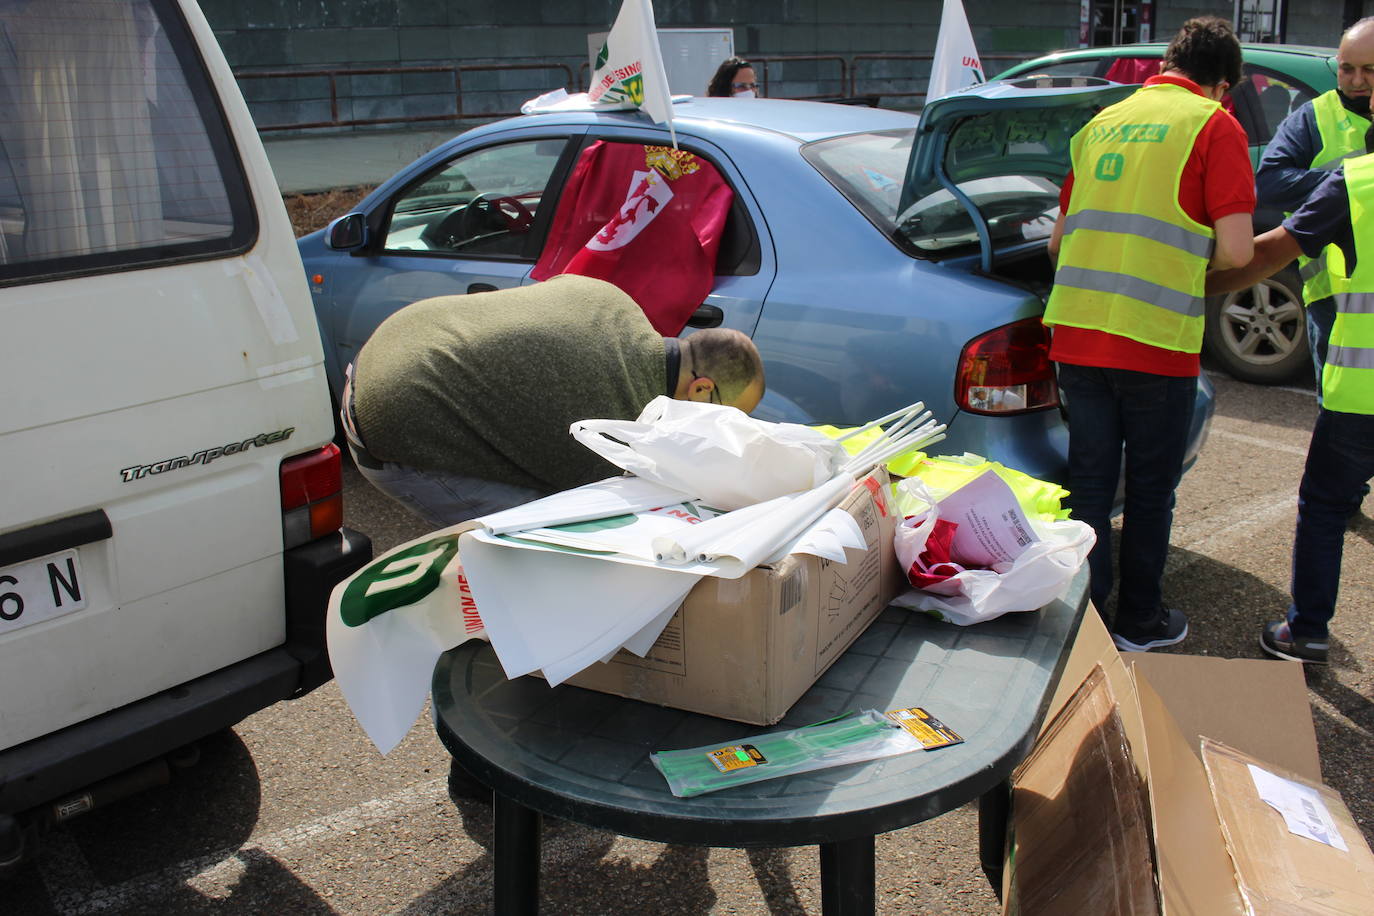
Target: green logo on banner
column 602, row 56
column 396, row 580
column 631, row 88
column 1110, row 166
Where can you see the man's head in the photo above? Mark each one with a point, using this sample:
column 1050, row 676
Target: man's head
column 1355, row 63
column 1206, row 51
column 720, row 365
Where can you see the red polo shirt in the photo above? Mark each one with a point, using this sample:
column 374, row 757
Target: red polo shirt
column 1217, row 180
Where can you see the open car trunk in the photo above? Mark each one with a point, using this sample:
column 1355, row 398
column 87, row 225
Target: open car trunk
column 985, row 168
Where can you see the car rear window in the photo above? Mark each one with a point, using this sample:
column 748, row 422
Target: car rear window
column 1008, row 164
column 113, row 151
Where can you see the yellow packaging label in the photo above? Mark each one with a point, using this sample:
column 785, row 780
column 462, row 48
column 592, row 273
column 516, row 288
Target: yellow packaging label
column 736, row 757
column 924, row 727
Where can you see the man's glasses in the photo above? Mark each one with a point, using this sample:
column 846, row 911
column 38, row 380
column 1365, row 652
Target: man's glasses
column 739, row 87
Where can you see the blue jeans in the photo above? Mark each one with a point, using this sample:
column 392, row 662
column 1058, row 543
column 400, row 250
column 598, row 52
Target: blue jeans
column 441, row 498
column 1148, row 416
column 1340, row 460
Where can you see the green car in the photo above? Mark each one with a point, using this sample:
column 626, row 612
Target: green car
column 1258, row 335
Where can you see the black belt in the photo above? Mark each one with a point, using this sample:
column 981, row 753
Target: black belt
column 363, row 458
column 349, row 420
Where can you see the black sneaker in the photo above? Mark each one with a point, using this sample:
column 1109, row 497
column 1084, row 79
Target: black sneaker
column 1280, row 642
column 1174, row 629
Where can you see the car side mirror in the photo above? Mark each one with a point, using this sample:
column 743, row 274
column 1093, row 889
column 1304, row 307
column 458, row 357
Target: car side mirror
column 347, row 232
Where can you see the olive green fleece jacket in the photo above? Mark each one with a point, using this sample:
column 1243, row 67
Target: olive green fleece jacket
column 486, row 385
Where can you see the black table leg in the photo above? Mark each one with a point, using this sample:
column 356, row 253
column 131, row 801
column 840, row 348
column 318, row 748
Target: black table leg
column 994, row 809
column 516, row 855
column 847, row 878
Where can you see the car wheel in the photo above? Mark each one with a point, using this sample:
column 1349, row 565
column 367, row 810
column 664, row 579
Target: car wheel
column 1260, row 334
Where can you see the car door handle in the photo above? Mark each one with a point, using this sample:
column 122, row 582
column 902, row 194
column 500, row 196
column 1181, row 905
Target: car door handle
column 481, row 288
column 706, row 316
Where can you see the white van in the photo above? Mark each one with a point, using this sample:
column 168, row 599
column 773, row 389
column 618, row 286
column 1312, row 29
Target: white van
column 170, row 499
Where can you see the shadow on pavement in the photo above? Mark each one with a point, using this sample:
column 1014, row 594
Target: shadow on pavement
column 575, row 878
column 207, row 807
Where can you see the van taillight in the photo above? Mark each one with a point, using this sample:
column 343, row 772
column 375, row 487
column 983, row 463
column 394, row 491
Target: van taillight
column 1007, row 371
column 311, row 495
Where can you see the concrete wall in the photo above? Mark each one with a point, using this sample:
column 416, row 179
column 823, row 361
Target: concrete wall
column 549, row 38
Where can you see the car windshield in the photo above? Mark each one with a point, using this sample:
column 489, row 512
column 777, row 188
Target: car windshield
column 1009, row 163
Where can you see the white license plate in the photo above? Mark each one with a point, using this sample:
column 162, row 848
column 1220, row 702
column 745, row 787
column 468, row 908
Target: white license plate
column 39, row 590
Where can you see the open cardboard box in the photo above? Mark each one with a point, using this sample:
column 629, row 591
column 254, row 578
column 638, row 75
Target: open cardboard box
column 748, row 648
column 1123, row 737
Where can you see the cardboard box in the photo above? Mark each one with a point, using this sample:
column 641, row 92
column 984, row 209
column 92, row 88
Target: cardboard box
column 1165, row 705
column 1295, row 845
column 748, row 648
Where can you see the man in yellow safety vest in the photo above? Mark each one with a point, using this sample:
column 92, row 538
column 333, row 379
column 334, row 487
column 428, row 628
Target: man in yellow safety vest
column 1161, row 189
column 1340, row 458
column 1306, row 147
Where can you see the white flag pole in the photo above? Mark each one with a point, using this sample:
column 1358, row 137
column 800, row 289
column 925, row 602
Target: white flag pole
column 956, row 64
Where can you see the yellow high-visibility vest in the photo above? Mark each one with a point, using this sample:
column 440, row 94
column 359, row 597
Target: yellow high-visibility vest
column 1132, row 262
column 1348, row 376
column 1342, row 136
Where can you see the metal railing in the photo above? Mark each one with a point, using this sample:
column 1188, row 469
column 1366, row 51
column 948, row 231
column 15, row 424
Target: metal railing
column 333, row 76
column 849, row 81
column 1009, row 59
column 785, row 59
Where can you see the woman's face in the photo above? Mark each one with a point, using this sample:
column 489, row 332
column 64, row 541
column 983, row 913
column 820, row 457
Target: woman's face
column 745, row 84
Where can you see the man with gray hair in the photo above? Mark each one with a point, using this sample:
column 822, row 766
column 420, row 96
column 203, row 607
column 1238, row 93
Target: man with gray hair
column 459, row 406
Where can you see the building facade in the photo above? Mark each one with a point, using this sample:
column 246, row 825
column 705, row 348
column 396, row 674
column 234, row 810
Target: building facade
column 360, row 64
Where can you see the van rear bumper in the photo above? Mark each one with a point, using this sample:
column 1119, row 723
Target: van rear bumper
column 65, row 761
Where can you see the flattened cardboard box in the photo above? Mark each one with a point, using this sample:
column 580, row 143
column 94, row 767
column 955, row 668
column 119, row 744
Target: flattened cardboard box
column 748, row 648
column 1166, row 704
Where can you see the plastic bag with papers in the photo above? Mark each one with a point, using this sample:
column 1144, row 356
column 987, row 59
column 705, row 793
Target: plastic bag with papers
column 719, row 455
column 998, row 560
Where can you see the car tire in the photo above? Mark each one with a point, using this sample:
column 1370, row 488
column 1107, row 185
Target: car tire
column 1260, row 334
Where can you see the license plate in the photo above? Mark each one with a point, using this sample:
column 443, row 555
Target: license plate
column 39, row 590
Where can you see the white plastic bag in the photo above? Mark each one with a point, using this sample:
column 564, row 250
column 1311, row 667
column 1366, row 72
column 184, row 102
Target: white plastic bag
column 1035, row 578
column 719, row 455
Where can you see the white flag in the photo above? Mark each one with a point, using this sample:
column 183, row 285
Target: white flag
column 628, row 70
column 956, row 63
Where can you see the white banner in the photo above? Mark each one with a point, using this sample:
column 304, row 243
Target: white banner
column 629, row 67
column 956, row 64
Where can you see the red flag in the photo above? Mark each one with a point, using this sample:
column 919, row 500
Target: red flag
column 646, row 218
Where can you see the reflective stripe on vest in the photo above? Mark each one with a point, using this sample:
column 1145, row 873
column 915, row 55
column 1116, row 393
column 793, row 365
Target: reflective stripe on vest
column 1132, row 262
column 1342, row 137
column 1194, row 243
column 1348, row 376
column 1104, row 281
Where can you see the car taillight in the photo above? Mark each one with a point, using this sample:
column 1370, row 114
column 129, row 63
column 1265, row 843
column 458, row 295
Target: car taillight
column 311, row 495
column 1007, row 371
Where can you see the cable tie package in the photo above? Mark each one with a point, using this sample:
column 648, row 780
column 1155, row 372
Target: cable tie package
column 853, row 738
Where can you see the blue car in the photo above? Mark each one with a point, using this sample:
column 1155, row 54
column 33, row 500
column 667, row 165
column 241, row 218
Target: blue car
column 874, row 259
